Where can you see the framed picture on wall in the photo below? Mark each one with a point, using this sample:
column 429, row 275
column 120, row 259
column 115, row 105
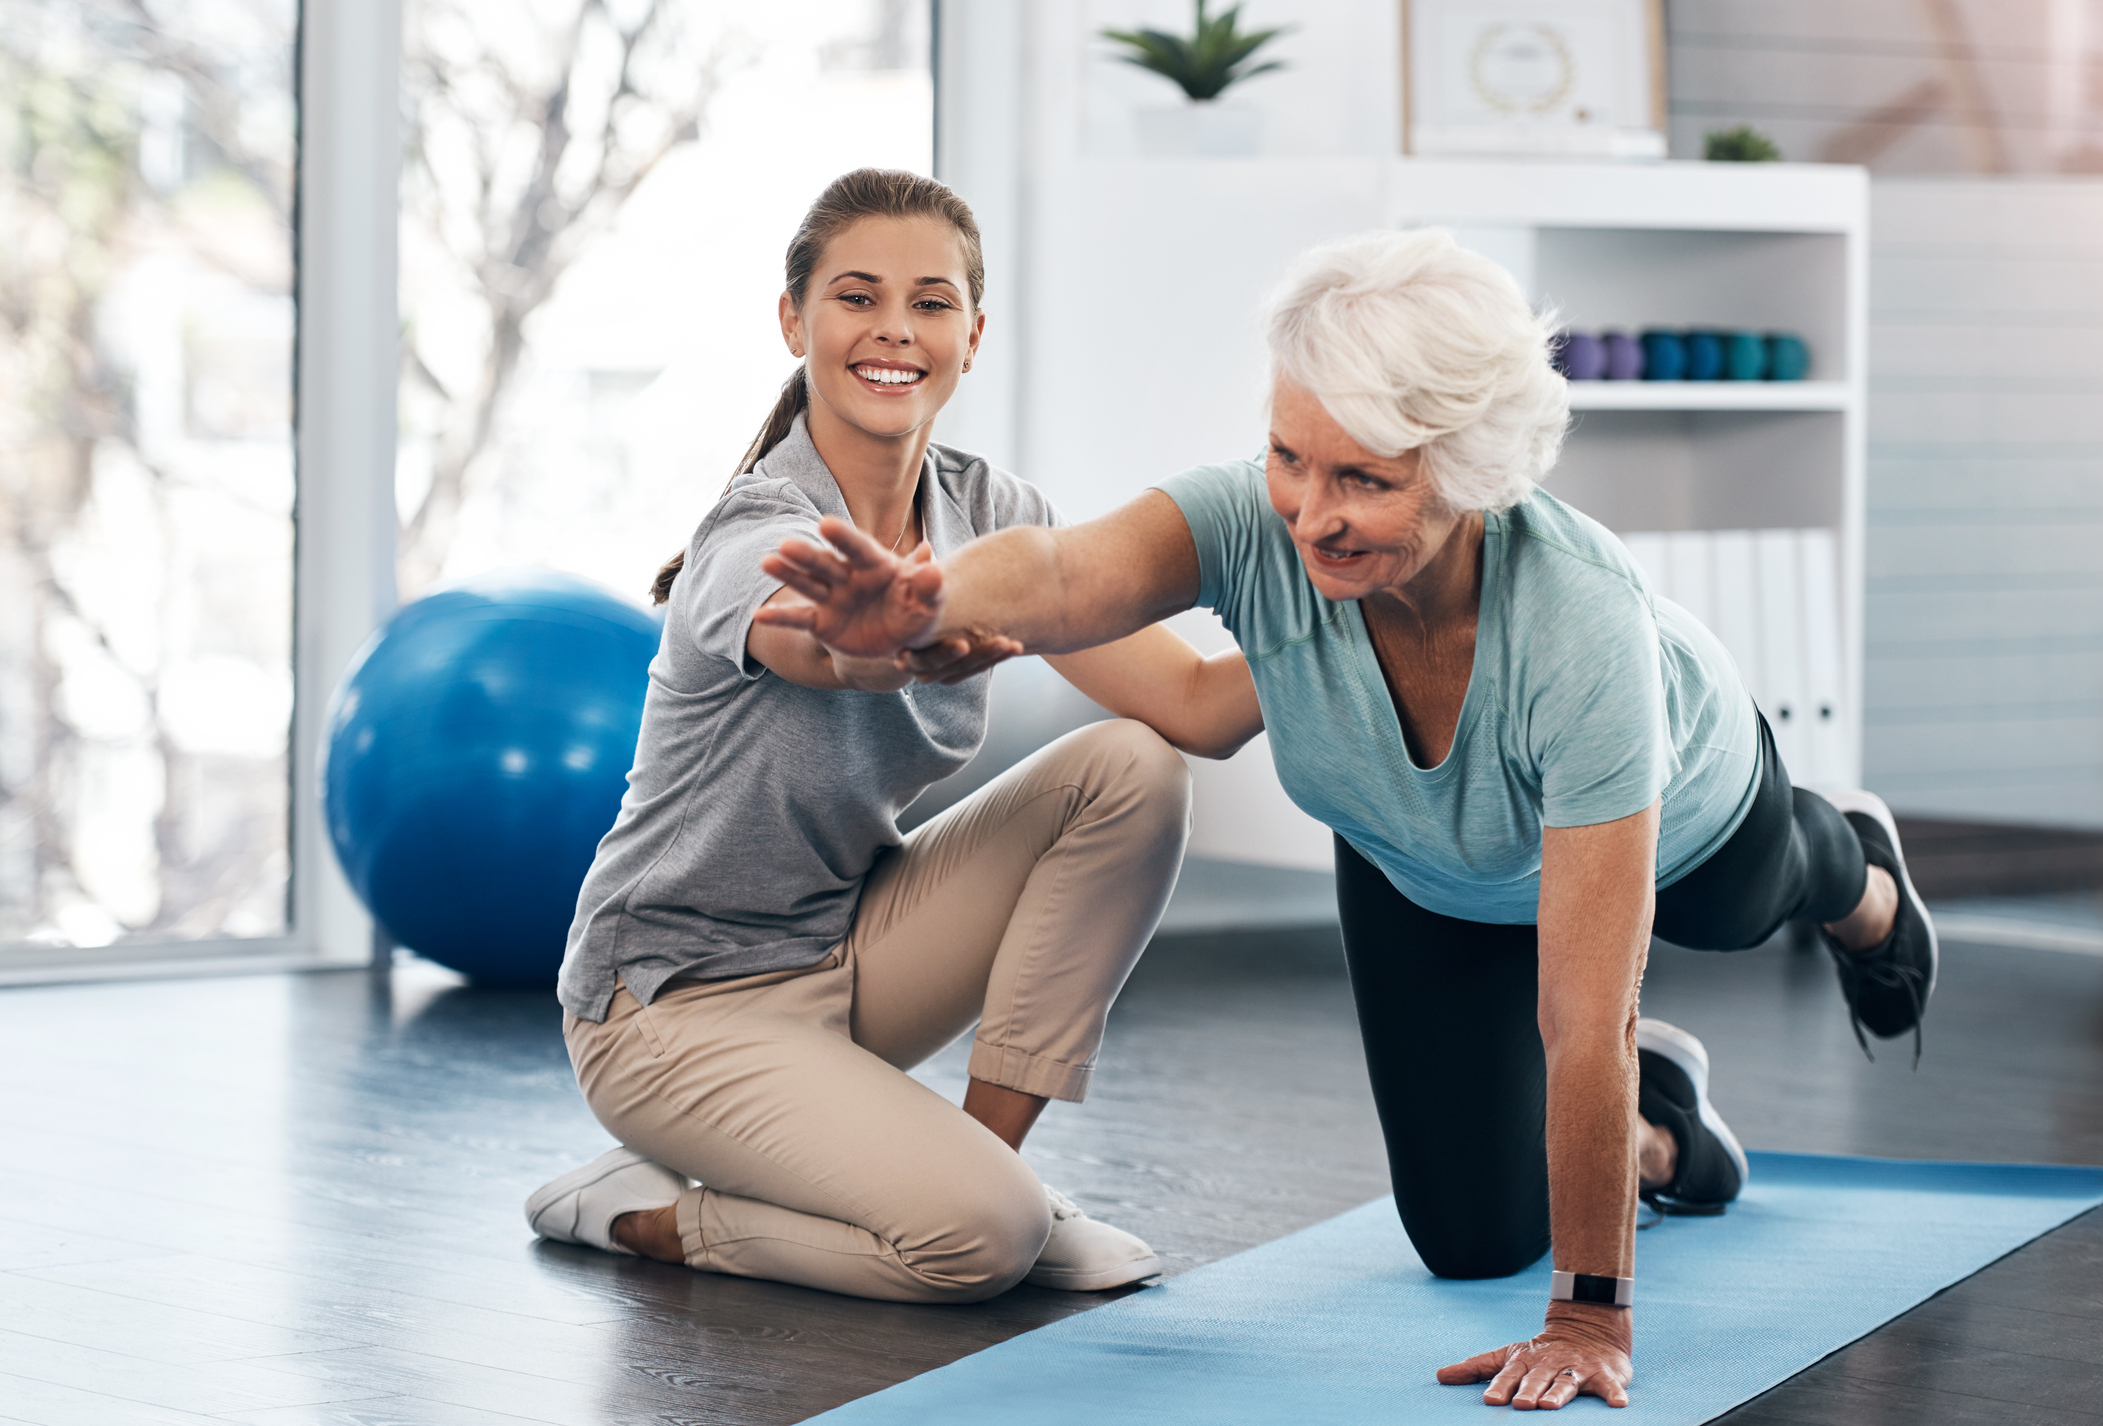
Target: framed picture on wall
column 1534, row 78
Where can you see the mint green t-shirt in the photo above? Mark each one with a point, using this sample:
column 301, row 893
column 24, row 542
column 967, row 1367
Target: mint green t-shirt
column 1590, row 698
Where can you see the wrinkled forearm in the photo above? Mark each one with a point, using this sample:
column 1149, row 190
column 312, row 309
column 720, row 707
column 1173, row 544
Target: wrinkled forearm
column 1015, row 583
column 1058, row 591
column 1595, row 916
column 1592, row 1148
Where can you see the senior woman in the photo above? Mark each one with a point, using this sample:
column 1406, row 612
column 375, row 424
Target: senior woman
column 1531, row 764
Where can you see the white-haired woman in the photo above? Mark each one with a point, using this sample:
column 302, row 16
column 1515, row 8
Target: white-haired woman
column 1531, row 763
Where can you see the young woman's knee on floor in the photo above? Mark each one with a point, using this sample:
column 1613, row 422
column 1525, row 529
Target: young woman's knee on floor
column 985, row 1247
column 1146, row 760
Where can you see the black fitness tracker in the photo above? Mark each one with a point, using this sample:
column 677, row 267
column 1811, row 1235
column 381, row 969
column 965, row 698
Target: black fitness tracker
column 1585, row 1287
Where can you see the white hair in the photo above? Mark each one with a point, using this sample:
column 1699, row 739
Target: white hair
column 1411, row 342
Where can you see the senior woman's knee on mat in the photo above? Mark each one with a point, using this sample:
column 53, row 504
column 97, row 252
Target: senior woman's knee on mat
column 1524, row 753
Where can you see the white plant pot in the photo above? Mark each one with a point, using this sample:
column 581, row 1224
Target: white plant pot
column 1205, row 128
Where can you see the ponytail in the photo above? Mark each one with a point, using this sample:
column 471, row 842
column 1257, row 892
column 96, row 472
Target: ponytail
column 795, row 396
column 864, row 193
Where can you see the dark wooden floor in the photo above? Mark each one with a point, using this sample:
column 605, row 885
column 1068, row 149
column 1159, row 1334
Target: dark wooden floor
column 295, row 1200
column 1949, row 859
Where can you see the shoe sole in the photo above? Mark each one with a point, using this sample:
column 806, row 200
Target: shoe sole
column 554, row 1191
column 1872, row 806
column 1100, row 1281
column 1692, row 1057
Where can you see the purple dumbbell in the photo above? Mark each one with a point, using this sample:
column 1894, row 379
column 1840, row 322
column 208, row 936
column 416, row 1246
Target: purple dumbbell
column 1624, row 357
column 1581, row 356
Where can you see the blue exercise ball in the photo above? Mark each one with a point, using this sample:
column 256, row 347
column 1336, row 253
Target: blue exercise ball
column 476, row 752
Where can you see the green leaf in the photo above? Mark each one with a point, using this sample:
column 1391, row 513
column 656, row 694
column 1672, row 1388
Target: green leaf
column 1744, row 144
column 1209, row 60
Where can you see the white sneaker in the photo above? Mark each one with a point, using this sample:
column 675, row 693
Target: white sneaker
column 1083, row 1255
column 580, row 1206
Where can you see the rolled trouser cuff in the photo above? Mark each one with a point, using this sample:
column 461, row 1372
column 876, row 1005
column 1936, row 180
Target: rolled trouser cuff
column 1028, row 1074
column 687, row 1214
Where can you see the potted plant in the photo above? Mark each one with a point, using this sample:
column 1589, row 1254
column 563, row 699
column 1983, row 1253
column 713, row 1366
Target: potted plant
column 1204, row 65
column 1744, row 144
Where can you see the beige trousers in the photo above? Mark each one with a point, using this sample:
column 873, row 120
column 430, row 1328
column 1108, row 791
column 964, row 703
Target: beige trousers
column 821, row 1162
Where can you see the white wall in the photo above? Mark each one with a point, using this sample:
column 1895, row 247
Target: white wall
column 1984, row 693
column 1338, row 99
column 1904, row 86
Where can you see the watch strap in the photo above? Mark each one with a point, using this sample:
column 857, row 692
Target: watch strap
column 1588, row 1287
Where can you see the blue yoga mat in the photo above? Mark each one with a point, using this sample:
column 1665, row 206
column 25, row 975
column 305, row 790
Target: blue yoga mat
column 1341, row 1323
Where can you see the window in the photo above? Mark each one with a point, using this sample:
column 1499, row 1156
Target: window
column 146, row 329
column 595, row 204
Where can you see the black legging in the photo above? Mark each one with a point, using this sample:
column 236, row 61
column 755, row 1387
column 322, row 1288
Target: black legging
column 1448, row 1011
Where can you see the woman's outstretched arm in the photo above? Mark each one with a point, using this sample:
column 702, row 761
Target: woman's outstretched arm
column 798, row 656
column 1085, row 596
column 1052, row 591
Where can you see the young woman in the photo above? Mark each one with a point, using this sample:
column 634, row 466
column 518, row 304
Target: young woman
column 759, row 955
column 1530, row 763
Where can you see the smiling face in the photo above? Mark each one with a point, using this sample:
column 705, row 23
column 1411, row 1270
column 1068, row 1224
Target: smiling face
column 886, row 325
column 1363, row 523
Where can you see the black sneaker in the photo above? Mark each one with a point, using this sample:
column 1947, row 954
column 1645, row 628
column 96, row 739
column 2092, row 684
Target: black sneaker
column 1887, row 986
column 1673, row 1094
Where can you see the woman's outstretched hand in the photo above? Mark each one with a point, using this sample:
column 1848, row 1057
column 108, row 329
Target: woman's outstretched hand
column 1575, row 1355
column 859, row 598
column 954, row 659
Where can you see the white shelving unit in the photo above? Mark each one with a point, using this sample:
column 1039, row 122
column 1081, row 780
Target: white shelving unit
column 1140, row 353
column 1780, row 465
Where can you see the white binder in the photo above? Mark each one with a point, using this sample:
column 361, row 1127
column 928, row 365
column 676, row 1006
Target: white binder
column 1772, row 598
column 1690, row 573
column 1736, row 624
column 1786, row 701
column 1826, row 760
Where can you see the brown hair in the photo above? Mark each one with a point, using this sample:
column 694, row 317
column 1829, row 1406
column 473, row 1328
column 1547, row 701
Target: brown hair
column 864, row 193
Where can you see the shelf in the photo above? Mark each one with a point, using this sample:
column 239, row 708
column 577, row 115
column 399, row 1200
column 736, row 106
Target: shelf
column 1743, row 197
column 1708, row 395
column 1695, row 196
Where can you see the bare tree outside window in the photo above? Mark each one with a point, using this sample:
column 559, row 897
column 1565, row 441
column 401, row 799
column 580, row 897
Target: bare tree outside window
column 146, row 156
column 527, row 134
column 596, row 196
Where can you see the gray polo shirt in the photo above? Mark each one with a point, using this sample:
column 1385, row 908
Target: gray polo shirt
column 756, row 807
